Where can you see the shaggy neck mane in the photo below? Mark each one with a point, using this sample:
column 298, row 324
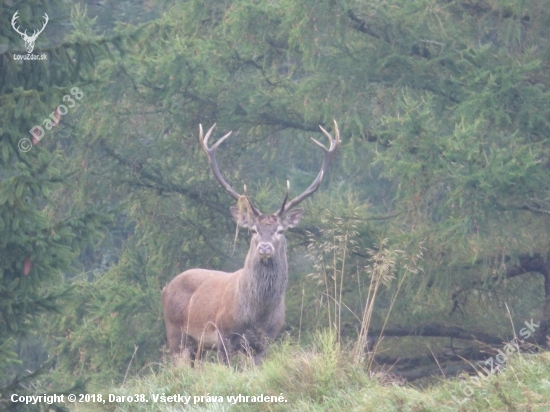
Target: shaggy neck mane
column 264, row 281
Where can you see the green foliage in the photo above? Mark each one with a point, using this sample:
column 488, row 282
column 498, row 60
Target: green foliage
column 109, row 320
column 336, row 255
column 443, row 109
column 322, row 378
column 453, row 97
column 40, row 240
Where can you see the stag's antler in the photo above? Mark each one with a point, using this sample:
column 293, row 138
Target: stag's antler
column 211, row 153
column 329, row 153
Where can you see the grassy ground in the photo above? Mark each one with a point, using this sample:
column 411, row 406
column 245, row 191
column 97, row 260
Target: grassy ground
column 322, row 378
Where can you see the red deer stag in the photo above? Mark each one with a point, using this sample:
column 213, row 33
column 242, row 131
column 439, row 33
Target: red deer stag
column 206, row 309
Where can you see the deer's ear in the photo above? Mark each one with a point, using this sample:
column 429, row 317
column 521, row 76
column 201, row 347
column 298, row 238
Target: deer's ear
column 293, row 217
column 241, row 217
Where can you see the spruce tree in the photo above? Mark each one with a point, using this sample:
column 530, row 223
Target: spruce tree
column 40, row 237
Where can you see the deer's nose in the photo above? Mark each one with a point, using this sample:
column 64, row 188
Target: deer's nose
column 265, row 249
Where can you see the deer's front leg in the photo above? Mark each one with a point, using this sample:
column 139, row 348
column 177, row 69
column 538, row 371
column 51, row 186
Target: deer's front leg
column 224, row 349
column 256, row 339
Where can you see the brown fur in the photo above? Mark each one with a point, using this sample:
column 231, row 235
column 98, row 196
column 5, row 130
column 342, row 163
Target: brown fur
column 241, row 310
column 232, row 311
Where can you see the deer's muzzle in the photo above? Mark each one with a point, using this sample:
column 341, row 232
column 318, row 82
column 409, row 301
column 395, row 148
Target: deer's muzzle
column 265, row 250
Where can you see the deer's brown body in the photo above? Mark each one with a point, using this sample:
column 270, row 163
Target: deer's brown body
column 240, row 310
column 245, row 307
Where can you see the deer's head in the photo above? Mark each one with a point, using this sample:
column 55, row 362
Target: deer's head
column 268, row 229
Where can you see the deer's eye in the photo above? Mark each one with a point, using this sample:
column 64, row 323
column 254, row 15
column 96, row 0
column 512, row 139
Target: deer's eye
column 280, row 232
column 254, row 231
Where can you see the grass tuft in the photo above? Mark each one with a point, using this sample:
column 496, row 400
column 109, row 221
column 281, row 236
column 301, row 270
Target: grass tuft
column 323, row 377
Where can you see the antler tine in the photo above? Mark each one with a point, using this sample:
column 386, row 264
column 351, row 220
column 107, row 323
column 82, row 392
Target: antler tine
column 328, row 154
column 282, row 208
column 333, row 141
column 208, row 133
column 211, row 153
column 252, row 207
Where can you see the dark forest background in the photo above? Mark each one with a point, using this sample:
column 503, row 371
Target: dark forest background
column 439, row 192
